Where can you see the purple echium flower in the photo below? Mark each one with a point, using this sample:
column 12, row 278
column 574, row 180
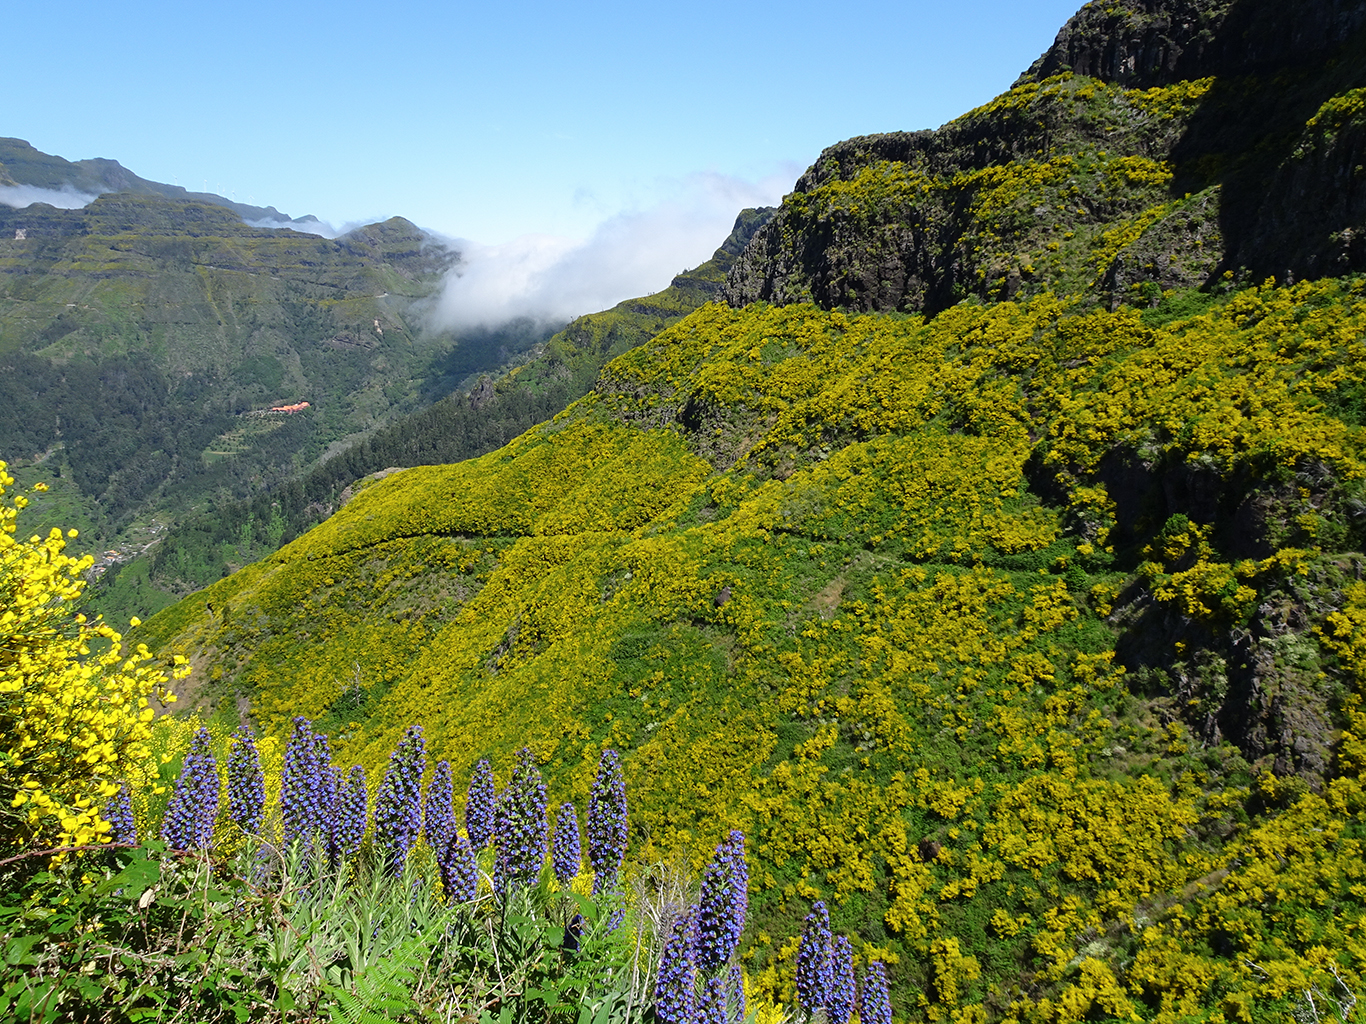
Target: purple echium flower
column 118, row 811
column 675, row 984
column 723, row 903
column 459, row 870
column 711, row 1003
column 188, row 824
column 333, row 784
column 567, row 855
column 304, row 802
column 246, row 783
column 398, row 801
column 438, row 814
column 815, row 967
column 607, row 828
column 522, row 829
column 874, row 1004
column 841, row 1006
column 735, row 993
column 349, row 813
column 480, row 806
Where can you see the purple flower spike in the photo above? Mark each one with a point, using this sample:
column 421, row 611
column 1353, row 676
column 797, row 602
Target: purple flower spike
column 351, row 810
column 875, row 1004
column 119, row 813
column 398, row 802
column 188, row 824
column 723, row 904
column 675, row 1001
column 438, row 813
column 735, row 993
column 567, row 854
column 333, row 784
column 522, row 830
column 711, row 1005
column 607, row 823
column 842, row 991
column 815, row 956
column 459, row 871
column 480, row 806
column 246, row 784
column 305, row 802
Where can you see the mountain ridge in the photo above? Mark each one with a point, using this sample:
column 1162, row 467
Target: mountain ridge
column 139, row 328
column 1193, row 150
column 22, row 164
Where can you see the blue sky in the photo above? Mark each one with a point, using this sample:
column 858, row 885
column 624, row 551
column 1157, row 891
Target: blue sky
column 525, row 126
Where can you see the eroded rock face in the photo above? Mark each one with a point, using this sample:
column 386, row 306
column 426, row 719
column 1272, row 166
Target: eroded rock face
column 1139, row 44
column 1183, row 249
column 1267, row 170
column 1260, row 687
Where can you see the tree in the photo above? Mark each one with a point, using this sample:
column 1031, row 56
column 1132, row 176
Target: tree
column 75, row 707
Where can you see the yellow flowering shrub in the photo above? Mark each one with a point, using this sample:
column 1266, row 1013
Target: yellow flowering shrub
column 75, row 713
column 845, row 583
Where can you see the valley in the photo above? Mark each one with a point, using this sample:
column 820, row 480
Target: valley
column 966, row 561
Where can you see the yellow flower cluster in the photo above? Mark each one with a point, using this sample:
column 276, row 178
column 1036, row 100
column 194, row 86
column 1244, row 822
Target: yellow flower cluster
column 75, row 712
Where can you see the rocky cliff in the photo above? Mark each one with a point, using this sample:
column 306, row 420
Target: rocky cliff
column 1153, row 146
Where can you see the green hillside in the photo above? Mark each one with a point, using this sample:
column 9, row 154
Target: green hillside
column 792, row 564
column 469, row 422
column 145, row 337
column 1004, row 589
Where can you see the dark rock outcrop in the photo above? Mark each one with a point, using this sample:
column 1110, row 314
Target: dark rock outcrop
column 1266, row 169
column 1137, row 44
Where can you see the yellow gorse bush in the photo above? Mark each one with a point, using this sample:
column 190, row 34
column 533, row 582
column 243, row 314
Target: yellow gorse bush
column 75, row 712
column 790, row 563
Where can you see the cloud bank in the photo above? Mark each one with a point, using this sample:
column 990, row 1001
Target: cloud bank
column 64, row 198
column 552, row 279
column 311, row 225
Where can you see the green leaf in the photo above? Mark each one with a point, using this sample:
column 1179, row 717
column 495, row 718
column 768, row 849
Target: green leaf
column 17, row 949
column 587, row 906
column 133, row 880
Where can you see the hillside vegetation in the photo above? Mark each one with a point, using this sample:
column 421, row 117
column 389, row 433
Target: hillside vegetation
column 144, row 337
column 469, row 422
column 791, row 564
column 992, row 559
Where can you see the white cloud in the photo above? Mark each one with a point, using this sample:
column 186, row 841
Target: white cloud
column 312, row 225
column 552, row 279
column 64, row 198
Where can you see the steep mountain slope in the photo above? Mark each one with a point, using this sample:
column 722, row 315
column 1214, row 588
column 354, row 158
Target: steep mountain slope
column 1031, row 634
column 469, row 422
column 144, row 338
column 790, row 564
column 1154, row 146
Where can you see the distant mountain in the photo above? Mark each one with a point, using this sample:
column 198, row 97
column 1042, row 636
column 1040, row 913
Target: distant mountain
column 468, row 423
column 145, row 336
column 21, row 164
